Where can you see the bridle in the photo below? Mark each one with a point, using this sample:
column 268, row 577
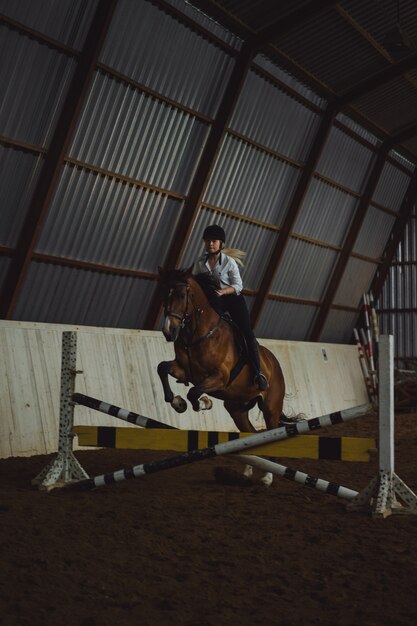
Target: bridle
column 185, row 318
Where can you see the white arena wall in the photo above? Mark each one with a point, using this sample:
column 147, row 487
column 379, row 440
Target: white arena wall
column 119, row 367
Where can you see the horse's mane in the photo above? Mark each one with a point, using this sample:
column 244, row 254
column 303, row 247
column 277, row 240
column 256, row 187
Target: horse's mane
column 204, row 280
column 207, row 284
column 174, row 276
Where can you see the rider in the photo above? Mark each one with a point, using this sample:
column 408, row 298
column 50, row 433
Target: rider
column 225, row 272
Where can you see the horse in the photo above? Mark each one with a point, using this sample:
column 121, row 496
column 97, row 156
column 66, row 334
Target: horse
column 207, row 356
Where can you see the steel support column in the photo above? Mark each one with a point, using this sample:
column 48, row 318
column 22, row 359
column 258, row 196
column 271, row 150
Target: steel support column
column 391, row 72
column 349, row 243
column 61, row 138
column 292, row 213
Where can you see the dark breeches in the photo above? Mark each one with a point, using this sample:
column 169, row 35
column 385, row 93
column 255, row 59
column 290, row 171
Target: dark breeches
column 236, row 306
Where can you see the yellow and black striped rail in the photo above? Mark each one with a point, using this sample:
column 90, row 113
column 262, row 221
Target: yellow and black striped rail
column 302, row 446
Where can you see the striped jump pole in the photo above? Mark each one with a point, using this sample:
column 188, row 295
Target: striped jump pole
column 374, row 317
column 220, row 449
column 299, row 477
column 364, row 367
column 116, row 411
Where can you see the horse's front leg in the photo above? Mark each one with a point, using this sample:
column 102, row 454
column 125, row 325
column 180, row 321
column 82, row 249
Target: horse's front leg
column 172, row 368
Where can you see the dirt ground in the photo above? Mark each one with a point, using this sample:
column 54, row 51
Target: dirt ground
column 178, row 548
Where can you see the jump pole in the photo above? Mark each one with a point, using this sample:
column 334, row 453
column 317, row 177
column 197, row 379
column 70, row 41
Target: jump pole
column 220, row 449
column 116, row 411
column 386, row 493
column 299, row 477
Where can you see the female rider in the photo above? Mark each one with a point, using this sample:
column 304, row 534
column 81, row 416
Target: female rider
column 225, row 272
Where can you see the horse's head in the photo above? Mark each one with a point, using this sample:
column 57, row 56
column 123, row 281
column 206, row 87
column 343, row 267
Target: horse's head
column 175, row 289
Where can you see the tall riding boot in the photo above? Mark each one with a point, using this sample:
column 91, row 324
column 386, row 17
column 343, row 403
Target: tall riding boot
column 253, row 352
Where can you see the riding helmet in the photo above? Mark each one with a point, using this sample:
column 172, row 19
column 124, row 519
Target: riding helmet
column 214, row 232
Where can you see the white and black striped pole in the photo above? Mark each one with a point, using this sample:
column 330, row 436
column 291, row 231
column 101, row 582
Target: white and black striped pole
column 116, row 411
column 220, row 449
column 299, row 477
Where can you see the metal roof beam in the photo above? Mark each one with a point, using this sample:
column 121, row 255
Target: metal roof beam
column 281, row 24
column 349, row 242
column 395, row 237
column 284, row 23
column 204, row 169
column 292, row 213
column 48, row 178
column 376, row 80
column 405, row 134
column 223, row 17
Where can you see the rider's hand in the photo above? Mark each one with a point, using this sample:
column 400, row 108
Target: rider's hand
column 225, row 291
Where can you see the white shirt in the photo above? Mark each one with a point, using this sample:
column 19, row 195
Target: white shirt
column 225, row 272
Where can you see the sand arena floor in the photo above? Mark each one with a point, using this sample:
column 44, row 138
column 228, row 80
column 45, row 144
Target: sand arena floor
column 178, row 548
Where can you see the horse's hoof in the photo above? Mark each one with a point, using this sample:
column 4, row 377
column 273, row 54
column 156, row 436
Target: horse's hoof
column 205, row 403
column 248, row 471
column 179, row 404
column 267, row 479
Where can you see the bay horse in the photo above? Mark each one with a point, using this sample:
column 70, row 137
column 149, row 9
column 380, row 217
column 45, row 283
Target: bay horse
column 206, row 355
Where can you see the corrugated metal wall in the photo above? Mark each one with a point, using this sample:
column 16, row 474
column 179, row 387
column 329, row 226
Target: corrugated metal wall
column 66, row 293
column 140, row 135
column 152, row 48
column 66, row 21
column 35, row 81
column 19, row 171
column 99, row 219
column 397, row 306
column 286, row 318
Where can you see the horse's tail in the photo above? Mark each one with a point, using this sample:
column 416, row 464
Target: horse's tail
column 287, row 420
column 236, row 254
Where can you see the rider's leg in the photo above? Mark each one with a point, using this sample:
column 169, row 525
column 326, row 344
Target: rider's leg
column 238, row 310
column 217, row 304
column 253, row 350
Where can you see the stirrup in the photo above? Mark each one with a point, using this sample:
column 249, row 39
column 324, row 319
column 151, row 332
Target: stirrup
column 261, row 380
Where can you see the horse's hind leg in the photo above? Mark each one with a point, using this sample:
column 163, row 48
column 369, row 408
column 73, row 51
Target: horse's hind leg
column 271, row 407
column 240, row 416
column 273, row 415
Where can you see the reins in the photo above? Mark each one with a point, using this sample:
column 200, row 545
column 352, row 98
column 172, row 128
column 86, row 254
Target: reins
column 186, row 318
